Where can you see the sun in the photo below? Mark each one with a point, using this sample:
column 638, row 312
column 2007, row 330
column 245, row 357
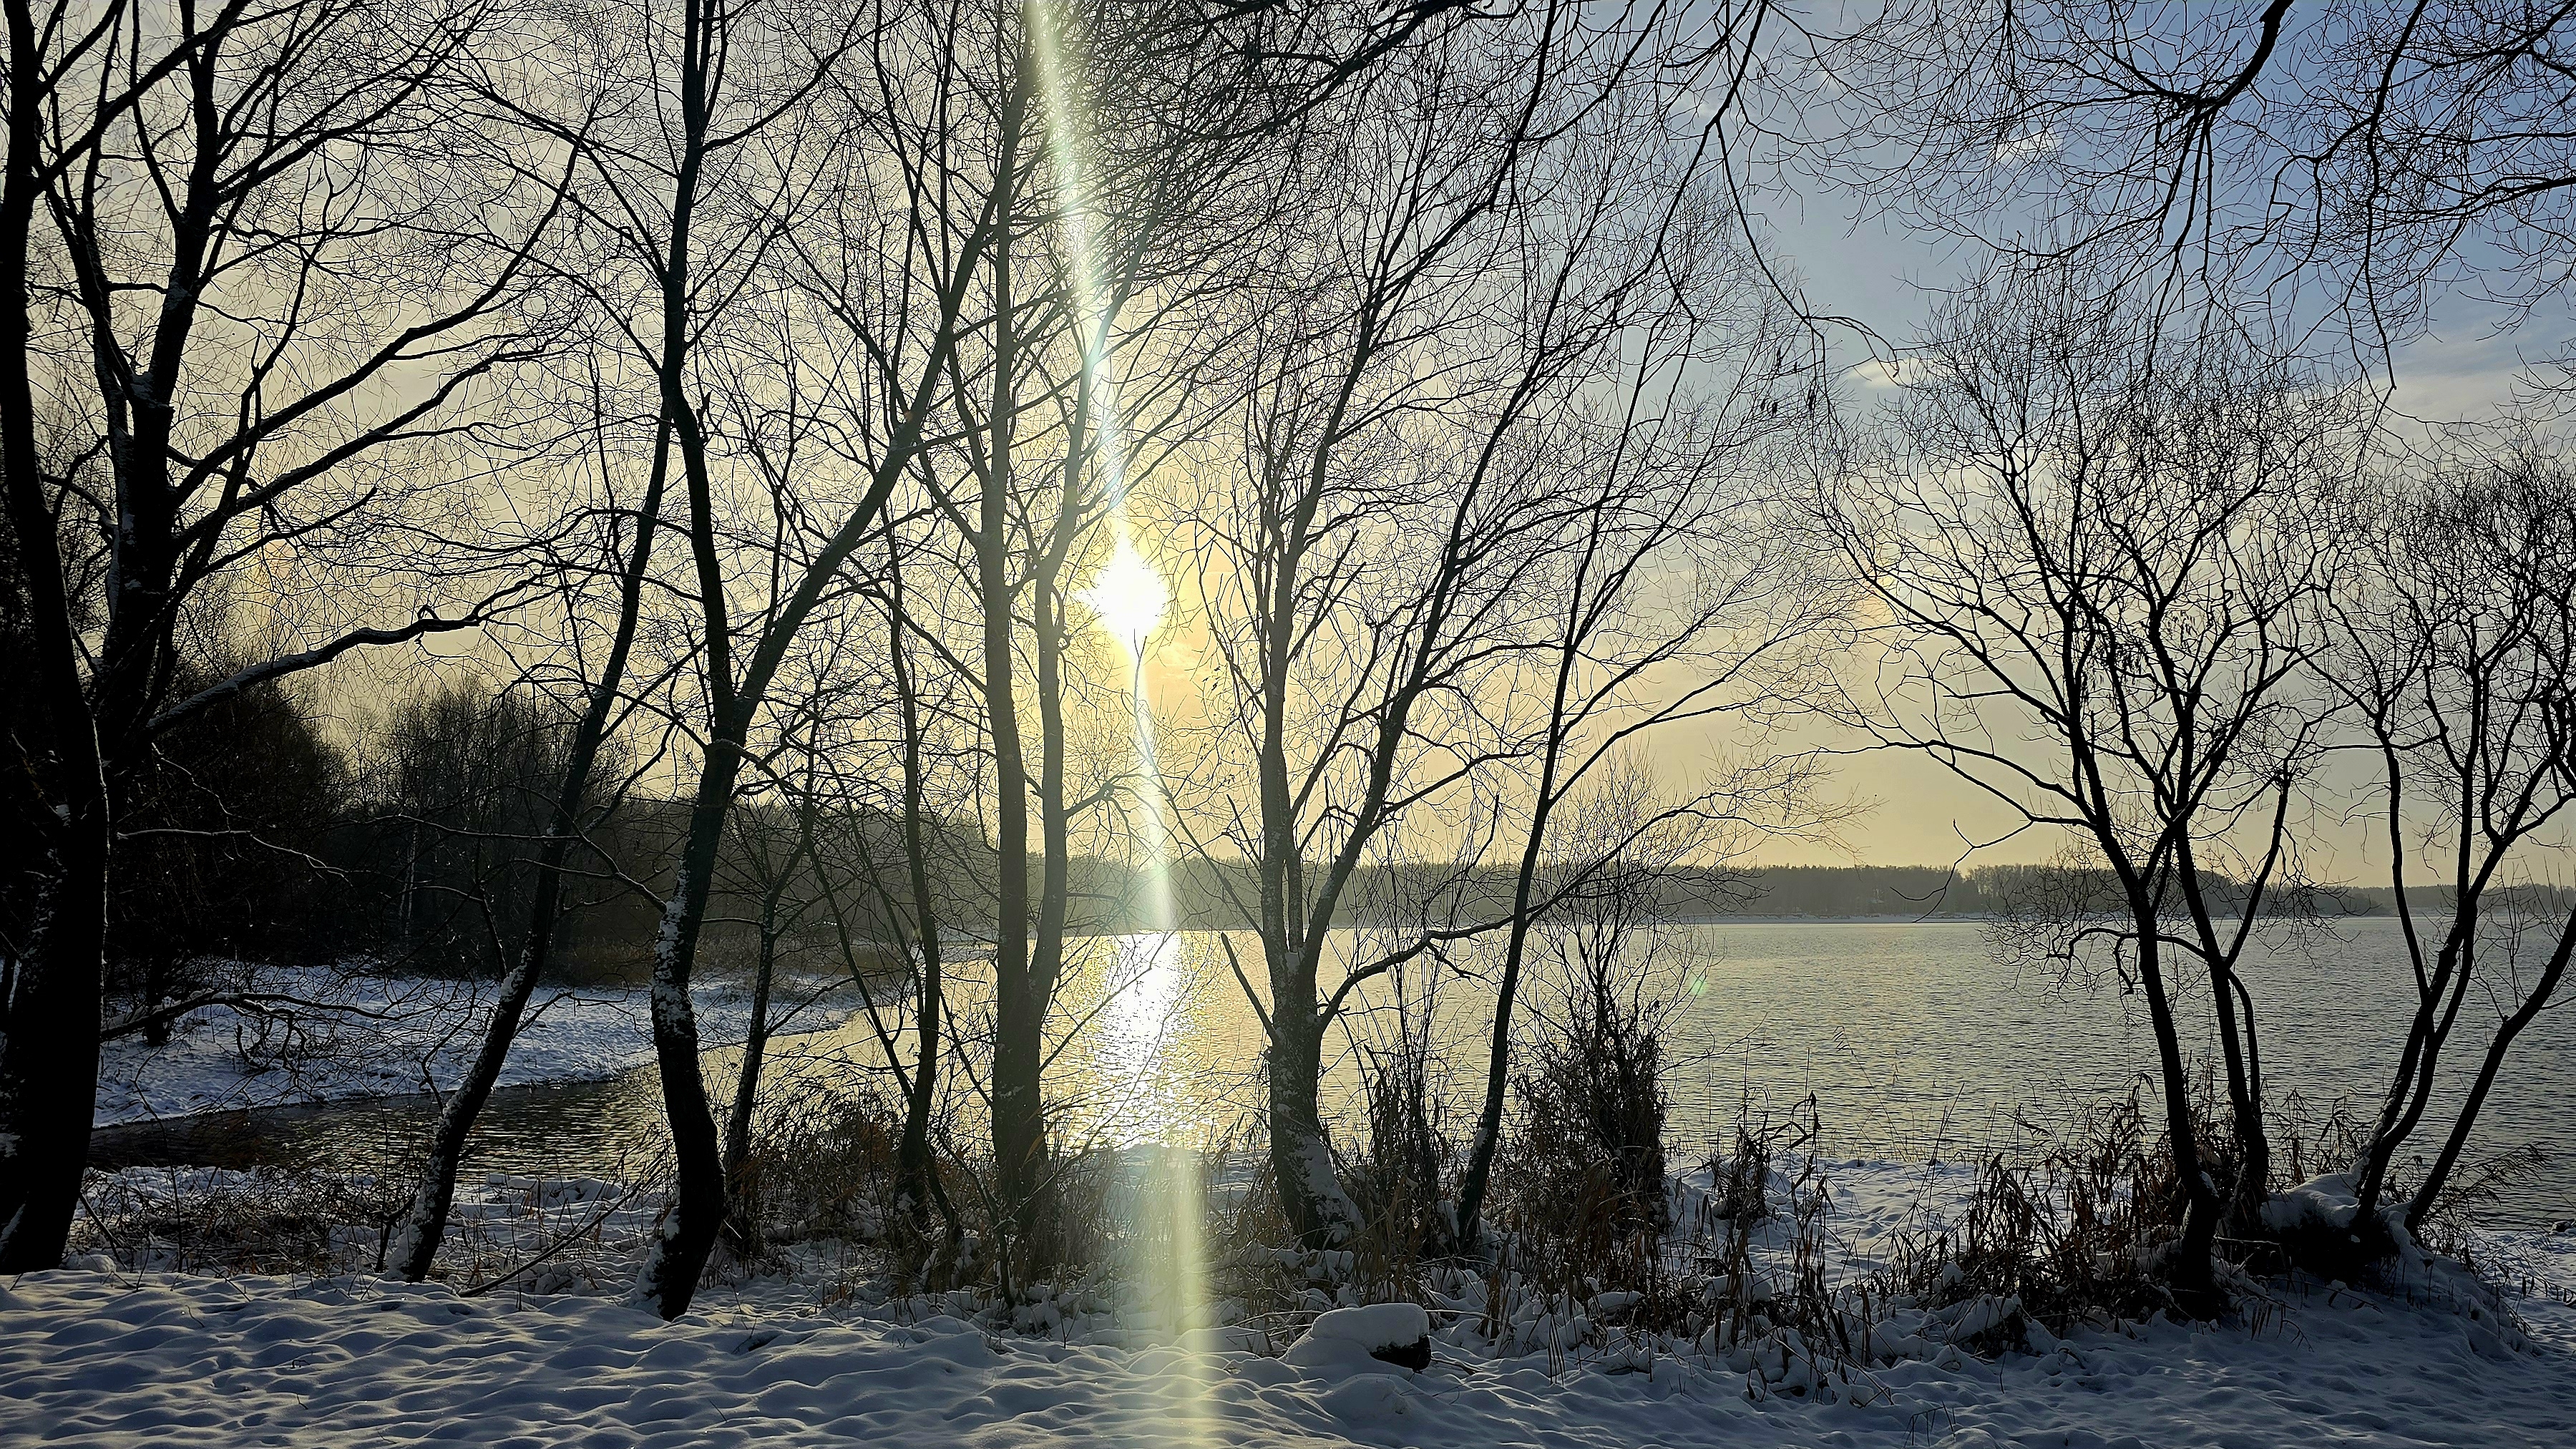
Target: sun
column 1127, row 596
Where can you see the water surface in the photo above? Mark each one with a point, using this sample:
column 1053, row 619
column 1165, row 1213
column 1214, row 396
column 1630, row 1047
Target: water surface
column 1912, row 1041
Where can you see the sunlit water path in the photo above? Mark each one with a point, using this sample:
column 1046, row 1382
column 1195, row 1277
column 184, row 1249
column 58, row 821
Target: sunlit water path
column 1913, row 1041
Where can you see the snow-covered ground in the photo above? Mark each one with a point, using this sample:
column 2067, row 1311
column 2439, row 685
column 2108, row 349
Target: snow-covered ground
column 93, row 1358
column 815, row 1351
column 358, row 1034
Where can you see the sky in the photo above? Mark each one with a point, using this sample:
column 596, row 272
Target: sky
column 1847, row 262
column 1903, row 809
column 2469, row 363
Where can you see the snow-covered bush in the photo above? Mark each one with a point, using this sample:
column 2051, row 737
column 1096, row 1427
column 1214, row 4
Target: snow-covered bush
column 2320, row 1229
column 1370, row 1339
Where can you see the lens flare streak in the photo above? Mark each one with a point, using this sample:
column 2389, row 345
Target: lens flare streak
column 1129, row 598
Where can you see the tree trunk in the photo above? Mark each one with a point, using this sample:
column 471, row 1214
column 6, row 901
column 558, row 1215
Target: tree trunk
column 2245, row 1106
column 2410, row 1088
column 49, row 1059
column 742, row 1213
column 415, row 1243
column 1489, row 1119
column 2194, row 1283
column 49, row 996
column 1301, row 1153
column 1019, row 1007
column 1479, row 1170
column 2232, row 1008
column 2439, row 1176
column 916, row 1176
column 1046, row 943
column 917, row 1185
column 1019, row 1127
column 678, row 1252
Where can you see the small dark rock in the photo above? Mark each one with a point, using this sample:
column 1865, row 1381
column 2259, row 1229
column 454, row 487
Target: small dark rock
column 1415, row 1355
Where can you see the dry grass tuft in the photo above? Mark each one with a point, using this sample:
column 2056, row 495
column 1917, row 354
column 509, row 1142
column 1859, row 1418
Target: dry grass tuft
column 265, row 1221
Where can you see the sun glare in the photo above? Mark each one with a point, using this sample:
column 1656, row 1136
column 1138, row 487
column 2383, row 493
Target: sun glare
column 1127, row 596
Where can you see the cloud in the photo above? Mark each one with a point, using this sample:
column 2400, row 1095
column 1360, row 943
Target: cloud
column 1890, row 372
column 2031, row 147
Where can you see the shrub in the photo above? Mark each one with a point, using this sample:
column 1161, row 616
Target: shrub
column 1591, row 1125
column 213, row 1220
column 2073, row 1233
column 821, row 1164
column 1580, row 1180
column 1400, row 1182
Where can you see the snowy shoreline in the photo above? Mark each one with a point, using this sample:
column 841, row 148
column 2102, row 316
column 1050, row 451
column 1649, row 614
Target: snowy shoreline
column 815, row 1345
column 90, row 1359
column 806, row 1353
column 360, row 1036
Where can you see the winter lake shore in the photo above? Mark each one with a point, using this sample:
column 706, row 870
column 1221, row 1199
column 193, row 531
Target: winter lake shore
column 528, row 1340
column 335, row 1035
column 806, row 1355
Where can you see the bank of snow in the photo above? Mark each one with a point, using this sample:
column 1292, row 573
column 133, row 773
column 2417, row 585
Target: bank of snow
column 321, row 1034
column 96, row 1359
column 552, row 1356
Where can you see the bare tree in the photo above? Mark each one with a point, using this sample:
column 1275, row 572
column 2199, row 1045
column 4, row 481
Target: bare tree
column 578, row 810
column 2453, row 653
column 668, row 224
column 1675, row 595
column 2095, row 545
column 917, row 932
column 1375, row 562
column 870, row 863
column 53, row 980
column 829, row 428
column 774, row 847
column 286, row 272
column 1102, row 153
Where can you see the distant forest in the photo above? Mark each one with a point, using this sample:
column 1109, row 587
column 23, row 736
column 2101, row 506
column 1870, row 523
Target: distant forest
column 1850, row 892
column 263, row 841
column 1842, row 891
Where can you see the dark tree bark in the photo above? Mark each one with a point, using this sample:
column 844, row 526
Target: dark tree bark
column 48, row 992
column 414, row 1246
column 1019, row 997
column 2455, row 653
column 238, row 115
column 735, row 695
column 917, row 1176
column 2537, row 999
column 742, row 1223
